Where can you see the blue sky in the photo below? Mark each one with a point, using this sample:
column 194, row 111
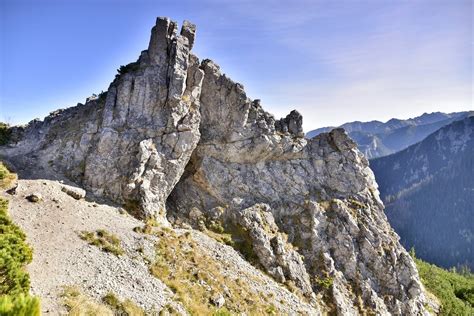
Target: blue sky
column 334, row 61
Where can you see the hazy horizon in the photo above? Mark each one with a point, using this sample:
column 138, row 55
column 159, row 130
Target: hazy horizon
column 334, row 62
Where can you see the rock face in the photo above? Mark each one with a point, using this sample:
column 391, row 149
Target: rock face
column 149, row 123
column 172, row 132
column 277, row 256
column 133, row 143
column 321, row 193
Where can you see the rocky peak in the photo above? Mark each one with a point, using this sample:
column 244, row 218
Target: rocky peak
column 132, row 143
column 292, row 123
column 188, row 30
column 177, row 140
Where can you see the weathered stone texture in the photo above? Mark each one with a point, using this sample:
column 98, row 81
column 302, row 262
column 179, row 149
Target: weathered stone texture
column 132, row 145
column 320, row 192
column 171, row 125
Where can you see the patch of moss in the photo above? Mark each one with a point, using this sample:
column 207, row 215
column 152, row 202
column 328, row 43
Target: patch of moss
column 104, row 240
column 223, row 238
column 324, row 283
column 356, row 204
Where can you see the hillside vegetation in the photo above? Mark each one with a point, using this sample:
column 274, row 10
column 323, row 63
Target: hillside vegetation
column 454, row 290
column 14, row 255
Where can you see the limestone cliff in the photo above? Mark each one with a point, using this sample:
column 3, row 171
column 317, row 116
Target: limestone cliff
column 133, row 142
column 177, row 140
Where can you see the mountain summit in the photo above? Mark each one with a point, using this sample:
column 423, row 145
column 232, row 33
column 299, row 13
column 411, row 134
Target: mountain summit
column 176, row 140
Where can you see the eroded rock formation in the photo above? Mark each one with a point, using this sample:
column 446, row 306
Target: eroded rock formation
column 178, row 133
column 132, row 143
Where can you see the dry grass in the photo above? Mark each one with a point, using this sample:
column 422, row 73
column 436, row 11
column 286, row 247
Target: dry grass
column 148, row 228
column 196, row 278
column 104, row 240
column 126, row 307
column 79, row 304
column 6, row 177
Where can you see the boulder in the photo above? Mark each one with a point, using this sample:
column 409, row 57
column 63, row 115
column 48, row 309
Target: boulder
column 292, row 123
column 218, row 301
column 74, row 192
column 34, row 197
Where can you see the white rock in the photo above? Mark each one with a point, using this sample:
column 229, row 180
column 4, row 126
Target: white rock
column 75, row 192
column 218, row 301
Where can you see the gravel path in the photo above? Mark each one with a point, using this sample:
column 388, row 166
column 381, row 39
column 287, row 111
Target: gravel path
column 61, row 258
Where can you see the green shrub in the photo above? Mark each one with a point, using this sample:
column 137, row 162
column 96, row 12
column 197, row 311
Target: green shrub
column 14, row 280
column 5, row 133
column 455, row 291
column 131, row 67
column 102, row 97
column 14, row 255
column 19, row 305
column 324, row 283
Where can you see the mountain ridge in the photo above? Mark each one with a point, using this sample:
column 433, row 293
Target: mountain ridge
column 182, row 146
column 431, row 181
column 376, row 138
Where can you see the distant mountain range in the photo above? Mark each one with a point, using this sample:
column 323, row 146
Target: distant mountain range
column 428, row 189
column 377, row 139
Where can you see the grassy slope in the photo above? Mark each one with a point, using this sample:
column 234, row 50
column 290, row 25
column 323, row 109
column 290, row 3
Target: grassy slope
column 455, row 291
column 14, row 255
